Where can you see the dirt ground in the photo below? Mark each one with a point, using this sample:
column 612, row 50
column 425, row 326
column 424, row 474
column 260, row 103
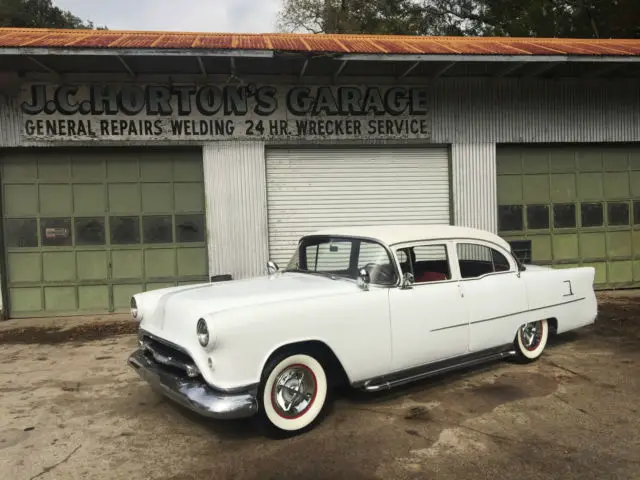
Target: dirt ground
column 71, row 408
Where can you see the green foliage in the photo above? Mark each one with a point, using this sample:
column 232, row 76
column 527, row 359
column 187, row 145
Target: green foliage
column 522, row 18
column 39, row 14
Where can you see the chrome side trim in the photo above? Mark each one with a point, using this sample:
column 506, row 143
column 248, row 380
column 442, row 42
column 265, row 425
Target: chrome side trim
column 528, row 310
column 196, row 395
column 375, row 386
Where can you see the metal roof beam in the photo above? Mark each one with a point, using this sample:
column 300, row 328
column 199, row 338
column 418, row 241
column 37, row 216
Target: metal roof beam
column 303, row 70
column 543, row 67
column 409, row 70
column 203, row 69
column 509, row 69
column 603, row 70
column 438, row 73
column 139, row 52
column 126, row 66
column 43, row 66
column 375, row 57
column 340, row 69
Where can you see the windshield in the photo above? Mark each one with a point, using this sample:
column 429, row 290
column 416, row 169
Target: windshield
column 343, row 257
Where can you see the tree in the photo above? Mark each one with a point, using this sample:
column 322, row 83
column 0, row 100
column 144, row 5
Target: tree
column 39, row 14
column 351, row 16
column 544, row 18
column 523, row 18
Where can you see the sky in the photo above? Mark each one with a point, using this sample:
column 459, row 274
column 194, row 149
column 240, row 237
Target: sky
column 227, row 16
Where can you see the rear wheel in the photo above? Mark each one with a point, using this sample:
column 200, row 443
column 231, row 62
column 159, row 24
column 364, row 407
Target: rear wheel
column 293, row 394
column 531, row 340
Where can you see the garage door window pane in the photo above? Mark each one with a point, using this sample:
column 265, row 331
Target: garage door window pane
column 21, row 232
column 564, row 215
column 157, row 229
column 190, row 228
column 55, row 232
column 510, row 218
column 90, row 231
column 125, row 230
column 592, row 214
column 636, row 212
column 537, row 217
column 618, row 213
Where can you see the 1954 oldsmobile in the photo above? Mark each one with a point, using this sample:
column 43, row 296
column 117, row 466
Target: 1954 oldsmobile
column 370, row 307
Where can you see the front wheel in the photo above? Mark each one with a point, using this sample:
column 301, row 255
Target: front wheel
column 531, row 340
column 293, row 394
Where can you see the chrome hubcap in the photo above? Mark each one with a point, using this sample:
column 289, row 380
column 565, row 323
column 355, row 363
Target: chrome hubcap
column 293, row 391
column 531, row 334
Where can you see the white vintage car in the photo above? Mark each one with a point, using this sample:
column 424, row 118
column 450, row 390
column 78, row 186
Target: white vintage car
column 370, row 307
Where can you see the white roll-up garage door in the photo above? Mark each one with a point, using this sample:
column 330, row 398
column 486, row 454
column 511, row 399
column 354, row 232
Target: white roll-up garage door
column 313, row 188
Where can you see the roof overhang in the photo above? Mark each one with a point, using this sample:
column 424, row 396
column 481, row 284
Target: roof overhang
column 38, row 63
column 38, row 54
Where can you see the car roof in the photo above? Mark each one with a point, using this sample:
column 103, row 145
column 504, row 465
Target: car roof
column 394, row 234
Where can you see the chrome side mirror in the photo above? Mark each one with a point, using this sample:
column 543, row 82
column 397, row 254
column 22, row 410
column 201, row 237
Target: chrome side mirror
column 363, row 279
column 408, row 280
column 272, row 267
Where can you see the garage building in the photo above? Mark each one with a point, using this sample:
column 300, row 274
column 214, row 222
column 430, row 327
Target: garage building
column 131, row 161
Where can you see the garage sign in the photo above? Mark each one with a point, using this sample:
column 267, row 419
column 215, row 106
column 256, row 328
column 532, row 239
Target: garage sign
column 227, row 112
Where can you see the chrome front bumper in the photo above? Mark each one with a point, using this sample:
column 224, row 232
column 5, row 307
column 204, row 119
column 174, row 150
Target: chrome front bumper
column 193, row 394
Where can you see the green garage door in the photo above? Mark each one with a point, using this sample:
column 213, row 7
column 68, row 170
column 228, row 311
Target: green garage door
column 86, row 228
column 574, row 205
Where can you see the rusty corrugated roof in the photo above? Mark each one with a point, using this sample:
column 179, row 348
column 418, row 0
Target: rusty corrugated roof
column 365, row 44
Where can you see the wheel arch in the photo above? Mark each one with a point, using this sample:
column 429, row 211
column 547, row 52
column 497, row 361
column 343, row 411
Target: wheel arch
column 336, row 373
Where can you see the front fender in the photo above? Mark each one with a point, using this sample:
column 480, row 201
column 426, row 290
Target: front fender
column 355, row 326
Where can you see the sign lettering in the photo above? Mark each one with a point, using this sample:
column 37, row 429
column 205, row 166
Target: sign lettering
column 201, row 112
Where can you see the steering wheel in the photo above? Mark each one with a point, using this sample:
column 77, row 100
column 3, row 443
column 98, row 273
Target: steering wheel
column 382, row 274
column 369, row 266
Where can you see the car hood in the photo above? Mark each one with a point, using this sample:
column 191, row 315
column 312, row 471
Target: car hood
column 176, row 308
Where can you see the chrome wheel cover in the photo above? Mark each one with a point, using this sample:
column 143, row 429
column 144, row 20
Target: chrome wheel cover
column 294, row 391
column 531, row 335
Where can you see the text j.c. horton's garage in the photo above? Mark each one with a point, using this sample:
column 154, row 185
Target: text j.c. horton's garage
column 137, row 160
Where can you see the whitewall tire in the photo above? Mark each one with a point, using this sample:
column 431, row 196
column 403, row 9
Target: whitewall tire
column 531, row 340
column 293, row 393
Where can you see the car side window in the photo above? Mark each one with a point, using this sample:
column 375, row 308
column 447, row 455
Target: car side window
column 404, row 261
column 478, row 260
column 431, row 264
column 375, row 259
column 500, row 262
column 428, row 263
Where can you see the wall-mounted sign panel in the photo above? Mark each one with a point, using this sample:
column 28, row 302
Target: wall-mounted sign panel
column 223, row 112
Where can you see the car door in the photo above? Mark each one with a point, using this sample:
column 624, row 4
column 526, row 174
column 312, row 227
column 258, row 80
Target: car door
column 429, row 321
column 494, row 294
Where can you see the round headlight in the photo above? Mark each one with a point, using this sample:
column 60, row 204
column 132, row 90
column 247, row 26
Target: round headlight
column 203, row 332
column 134, row 309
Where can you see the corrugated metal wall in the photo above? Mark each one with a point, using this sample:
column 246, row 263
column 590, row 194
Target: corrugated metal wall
column 473, row 173
column 469, row 111
column 502, row 111
column 9, row 121
column 234, row 175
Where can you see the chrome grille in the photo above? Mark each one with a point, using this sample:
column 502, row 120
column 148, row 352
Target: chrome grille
column 167, row 354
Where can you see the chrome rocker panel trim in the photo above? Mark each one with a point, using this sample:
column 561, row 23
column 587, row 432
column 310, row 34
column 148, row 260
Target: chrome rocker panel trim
column 194, row 394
